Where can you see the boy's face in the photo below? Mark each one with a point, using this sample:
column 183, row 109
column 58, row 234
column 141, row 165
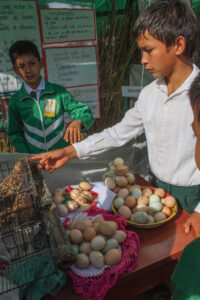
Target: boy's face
column 196, row 129
column 156, row 57
column 28, row 68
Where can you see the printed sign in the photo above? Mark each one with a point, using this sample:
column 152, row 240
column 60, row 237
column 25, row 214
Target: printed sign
column 67, row 25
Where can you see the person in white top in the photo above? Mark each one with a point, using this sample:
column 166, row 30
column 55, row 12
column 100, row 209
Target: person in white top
column 166, row 33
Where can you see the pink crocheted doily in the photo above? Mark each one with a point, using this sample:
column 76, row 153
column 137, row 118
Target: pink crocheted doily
column 96, row 287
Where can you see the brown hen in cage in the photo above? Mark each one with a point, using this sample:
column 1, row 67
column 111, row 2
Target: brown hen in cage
column 31, row 233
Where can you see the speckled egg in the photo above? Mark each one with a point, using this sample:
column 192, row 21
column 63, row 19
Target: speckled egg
column 118, row 202
column 156, row 206
column 159, row 217
column 154, row 198
column 136, row 193
column 110, row 244
column 150, row 219
column 141, row 217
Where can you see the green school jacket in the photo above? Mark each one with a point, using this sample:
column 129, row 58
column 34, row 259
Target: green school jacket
column 32, row 132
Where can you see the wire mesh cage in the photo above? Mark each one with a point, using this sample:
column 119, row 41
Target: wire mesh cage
column 31, row 234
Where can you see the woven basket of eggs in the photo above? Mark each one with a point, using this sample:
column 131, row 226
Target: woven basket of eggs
column 146, row 207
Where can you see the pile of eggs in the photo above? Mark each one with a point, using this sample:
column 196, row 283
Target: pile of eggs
column 95, row 242
column 145, row 205
column 118, row 178
column 80, row 199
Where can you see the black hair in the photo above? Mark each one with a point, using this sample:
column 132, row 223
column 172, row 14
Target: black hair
column 20, row 48
column 165, row 20
column 194, row 91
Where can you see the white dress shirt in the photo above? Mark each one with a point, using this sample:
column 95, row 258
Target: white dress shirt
column 167, row 121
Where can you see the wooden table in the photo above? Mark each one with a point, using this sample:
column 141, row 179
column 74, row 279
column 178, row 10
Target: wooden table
column 159, row 252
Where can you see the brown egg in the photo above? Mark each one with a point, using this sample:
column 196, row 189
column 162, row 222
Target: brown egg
column 167, row 211
column 141, row 207
column 142, row 200
column 83, row 224
column 131, row 178
column 72, row 225
column 89, row 233
column 96, row 227
column 82, row 261
column 76, row 236
column 125, row 212
column 121, row 170
column 132, row 187
column 130, row 202
column 117, row 189
column 113, row 257
column 114, row 224
column 123, row 193
column 147, row 192
column 106, row 228
column 118, row 161
column 62, row 210
column 85, row 186
column 58, row 199
column 98, row 220
column 58, row 192
column 121, row 181
column 85, row 248
column 120, row 236
column 160, row 192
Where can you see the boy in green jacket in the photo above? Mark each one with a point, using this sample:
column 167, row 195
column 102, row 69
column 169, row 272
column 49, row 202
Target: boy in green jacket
column 36, row 111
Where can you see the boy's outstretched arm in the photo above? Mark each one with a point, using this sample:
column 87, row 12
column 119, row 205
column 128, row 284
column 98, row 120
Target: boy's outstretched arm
column 193, row 221
column 55, row 159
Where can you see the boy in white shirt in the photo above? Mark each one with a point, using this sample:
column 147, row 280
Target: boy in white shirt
column 166, row 33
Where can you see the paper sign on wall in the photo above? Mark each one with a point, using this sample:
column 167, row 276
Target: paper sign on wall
column 67, row 25
column 72, row 66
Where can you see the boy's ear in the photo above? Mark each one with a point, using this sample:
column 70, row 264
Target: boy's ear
column 15, row 70
column 180, row 45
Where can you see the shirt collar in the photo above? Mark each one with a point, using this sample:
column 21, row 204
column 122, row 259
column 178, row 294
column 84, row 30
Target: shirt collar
column 40, row 87
column 185, row 85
